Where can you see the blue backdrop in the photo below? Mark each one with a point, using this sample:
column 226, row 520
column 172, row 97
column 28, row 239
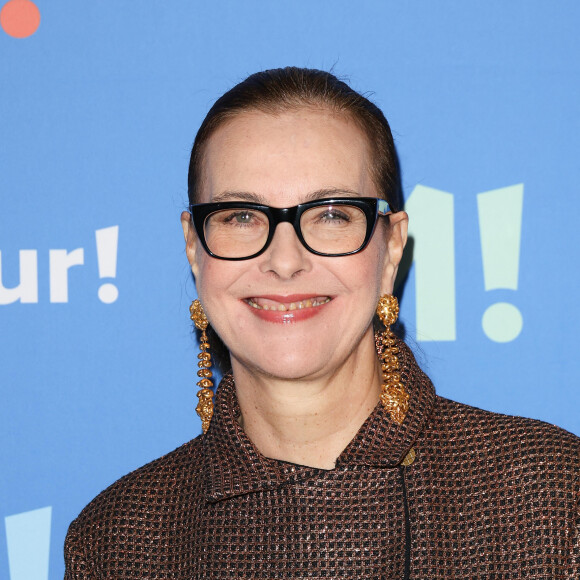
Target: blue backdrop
column 99, row 108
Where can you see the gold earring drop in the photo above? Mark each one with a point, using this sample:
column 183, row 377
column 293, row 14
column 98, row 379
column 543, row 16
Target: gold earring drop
column 205, row 405
column 394, row 397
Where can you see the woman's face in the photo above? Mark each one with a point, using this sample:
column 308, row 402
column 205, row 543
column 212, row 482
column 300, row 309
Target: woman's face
column 265, row 309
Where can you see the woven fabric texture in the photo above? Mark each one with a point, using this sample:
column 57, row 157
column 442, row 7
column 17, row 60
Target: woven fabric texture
column 487, row 496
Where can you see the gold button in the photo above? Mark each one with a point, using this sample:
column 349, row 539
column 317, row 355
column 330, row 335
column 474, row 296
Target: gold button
column 409, row 458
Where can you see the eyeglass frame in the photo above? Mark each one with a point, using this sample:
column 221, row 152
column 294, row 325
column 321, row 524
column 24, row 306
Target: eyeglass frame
column 372, row 207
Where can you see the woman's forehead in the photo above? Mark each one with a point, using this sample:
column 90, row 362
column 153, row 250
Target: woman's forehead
column 297, row 151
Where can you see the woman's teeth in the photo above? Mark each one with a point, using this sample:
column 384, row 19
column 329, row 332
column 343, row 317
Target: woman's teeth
column 262, row 304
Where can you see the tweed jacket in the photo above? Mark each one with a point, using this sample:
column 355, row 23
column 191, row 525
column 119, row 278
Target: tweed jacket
column 453, row 492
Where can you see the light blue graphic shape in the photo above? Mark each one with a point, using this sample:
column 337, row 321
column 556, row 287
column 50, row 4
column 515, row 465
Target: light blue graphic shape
column 28, row 539
column 432, row 227
column 500, row 228
column 502, row 322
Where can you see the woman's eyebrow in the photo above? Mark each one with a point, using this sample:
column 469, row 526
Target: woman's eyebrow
column 332, row 192
column 238, row 196
column 313, row 196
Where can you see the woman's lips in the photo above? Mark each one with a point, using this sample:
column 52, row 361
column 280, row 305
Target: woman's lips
column 287, row 309
column 262, row 303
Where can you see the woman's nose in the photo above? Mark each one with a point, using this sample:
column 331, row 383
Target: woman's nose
column 286, row 256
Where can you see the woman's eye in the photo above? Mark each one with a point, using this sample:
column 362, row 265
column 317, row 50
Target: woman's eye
column 333, row 215
column 240, row 217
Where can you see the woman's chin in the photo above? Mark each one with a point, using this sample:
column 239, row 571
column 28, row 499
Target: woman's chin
column 288, row 366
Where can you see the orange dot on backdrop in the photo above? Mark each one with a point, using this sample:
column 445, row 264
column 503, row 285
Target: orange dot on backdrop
column 20, row 18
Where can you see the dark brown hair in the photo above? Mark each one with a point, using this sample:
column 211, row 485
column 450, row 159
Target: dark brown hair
column 285, row 89
column 282, row 89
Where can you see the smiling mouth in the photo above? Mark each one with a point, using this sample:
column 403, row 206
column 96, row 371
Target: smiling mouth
column 268, row 304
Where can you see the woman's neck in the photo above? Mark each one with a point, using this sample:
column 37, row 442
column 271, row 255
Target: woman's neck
column 309, row 422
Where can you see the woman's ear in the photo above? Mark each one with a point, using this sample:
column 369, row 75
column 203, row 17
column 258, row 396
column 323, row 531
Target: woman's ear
column 191, row 242
column 397, row 239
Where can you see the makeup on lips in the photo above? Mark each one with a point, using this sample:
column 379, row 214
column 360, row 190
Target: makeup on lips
column 290, row 308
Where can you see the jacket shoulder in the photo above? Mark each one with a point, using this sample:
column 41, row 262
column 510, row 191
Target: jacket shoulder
column 161, row 476
column 138, row 512
column 518, row 440
column 149, row 489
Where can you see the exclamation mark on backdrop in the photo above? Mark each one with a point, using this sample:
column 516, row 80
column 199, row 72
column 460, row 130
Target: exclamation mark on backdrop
column 500, row 227
column 107, row 244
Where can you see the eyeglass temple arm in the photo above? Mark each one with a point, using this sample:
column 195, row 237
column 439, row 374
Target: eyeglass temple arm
column 383, row 207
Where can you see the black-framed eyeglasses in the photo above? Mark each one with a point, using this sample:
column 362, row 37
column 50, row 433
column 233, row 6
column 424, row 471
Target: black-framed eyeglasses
column 238, row 230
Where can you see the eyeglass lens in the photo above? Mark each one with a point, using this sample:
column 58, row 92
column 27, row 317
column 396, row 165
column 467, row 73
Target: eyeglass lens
column 329, row 229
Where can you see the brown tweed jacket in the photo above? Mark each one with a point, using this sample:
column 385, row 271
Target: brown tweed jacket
column 486, row 496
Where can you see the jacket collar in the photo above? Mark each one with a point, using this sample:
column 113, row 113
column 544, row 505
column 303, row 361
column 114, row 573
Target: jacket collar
column 233, row 466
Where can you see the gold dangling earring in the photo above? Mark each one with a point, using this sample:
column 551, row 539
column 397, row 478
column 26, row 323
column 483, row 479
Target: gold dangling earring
column 394, row 397
column 205, row 405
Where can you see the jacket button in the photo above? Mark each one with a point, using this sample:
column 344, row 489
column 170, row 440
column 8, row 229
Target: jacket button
column 409, row 458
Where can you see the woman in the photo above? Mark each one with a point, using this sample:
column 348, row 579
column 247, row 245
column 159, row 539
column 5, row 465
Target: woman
column 327, row 452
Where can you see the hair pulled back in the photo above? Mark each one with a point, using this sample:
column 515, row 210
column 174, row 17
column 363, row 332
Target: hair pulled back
column 278, row 90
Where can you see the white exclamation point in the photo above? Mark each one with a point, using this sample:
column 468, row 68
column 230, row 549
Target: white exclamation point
column 107, row 243
column 500, row 227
